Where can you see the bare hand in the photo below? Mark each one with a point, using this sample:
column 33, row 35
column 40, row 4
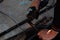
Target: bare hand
column 43, row 34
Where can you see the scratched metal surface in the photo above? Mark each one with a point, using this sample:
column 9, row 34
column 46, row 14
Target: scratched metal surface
column 16, row 10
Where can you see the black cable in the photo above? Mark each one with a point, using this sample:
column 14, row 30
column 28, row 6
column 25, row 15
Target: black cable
column 32, row 25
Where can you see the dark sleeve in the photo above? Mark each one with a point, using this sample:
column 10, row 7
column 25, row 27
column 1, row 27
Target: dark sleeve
column 56, row 20
column 43, row 4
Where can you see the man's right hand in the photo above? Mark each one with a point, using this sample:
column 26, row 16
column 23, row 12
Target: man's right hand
column 47, row 36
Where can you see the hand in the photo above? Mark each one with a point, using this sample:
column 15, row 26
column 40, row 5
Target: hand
column 35, row 3
column 43, row 34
